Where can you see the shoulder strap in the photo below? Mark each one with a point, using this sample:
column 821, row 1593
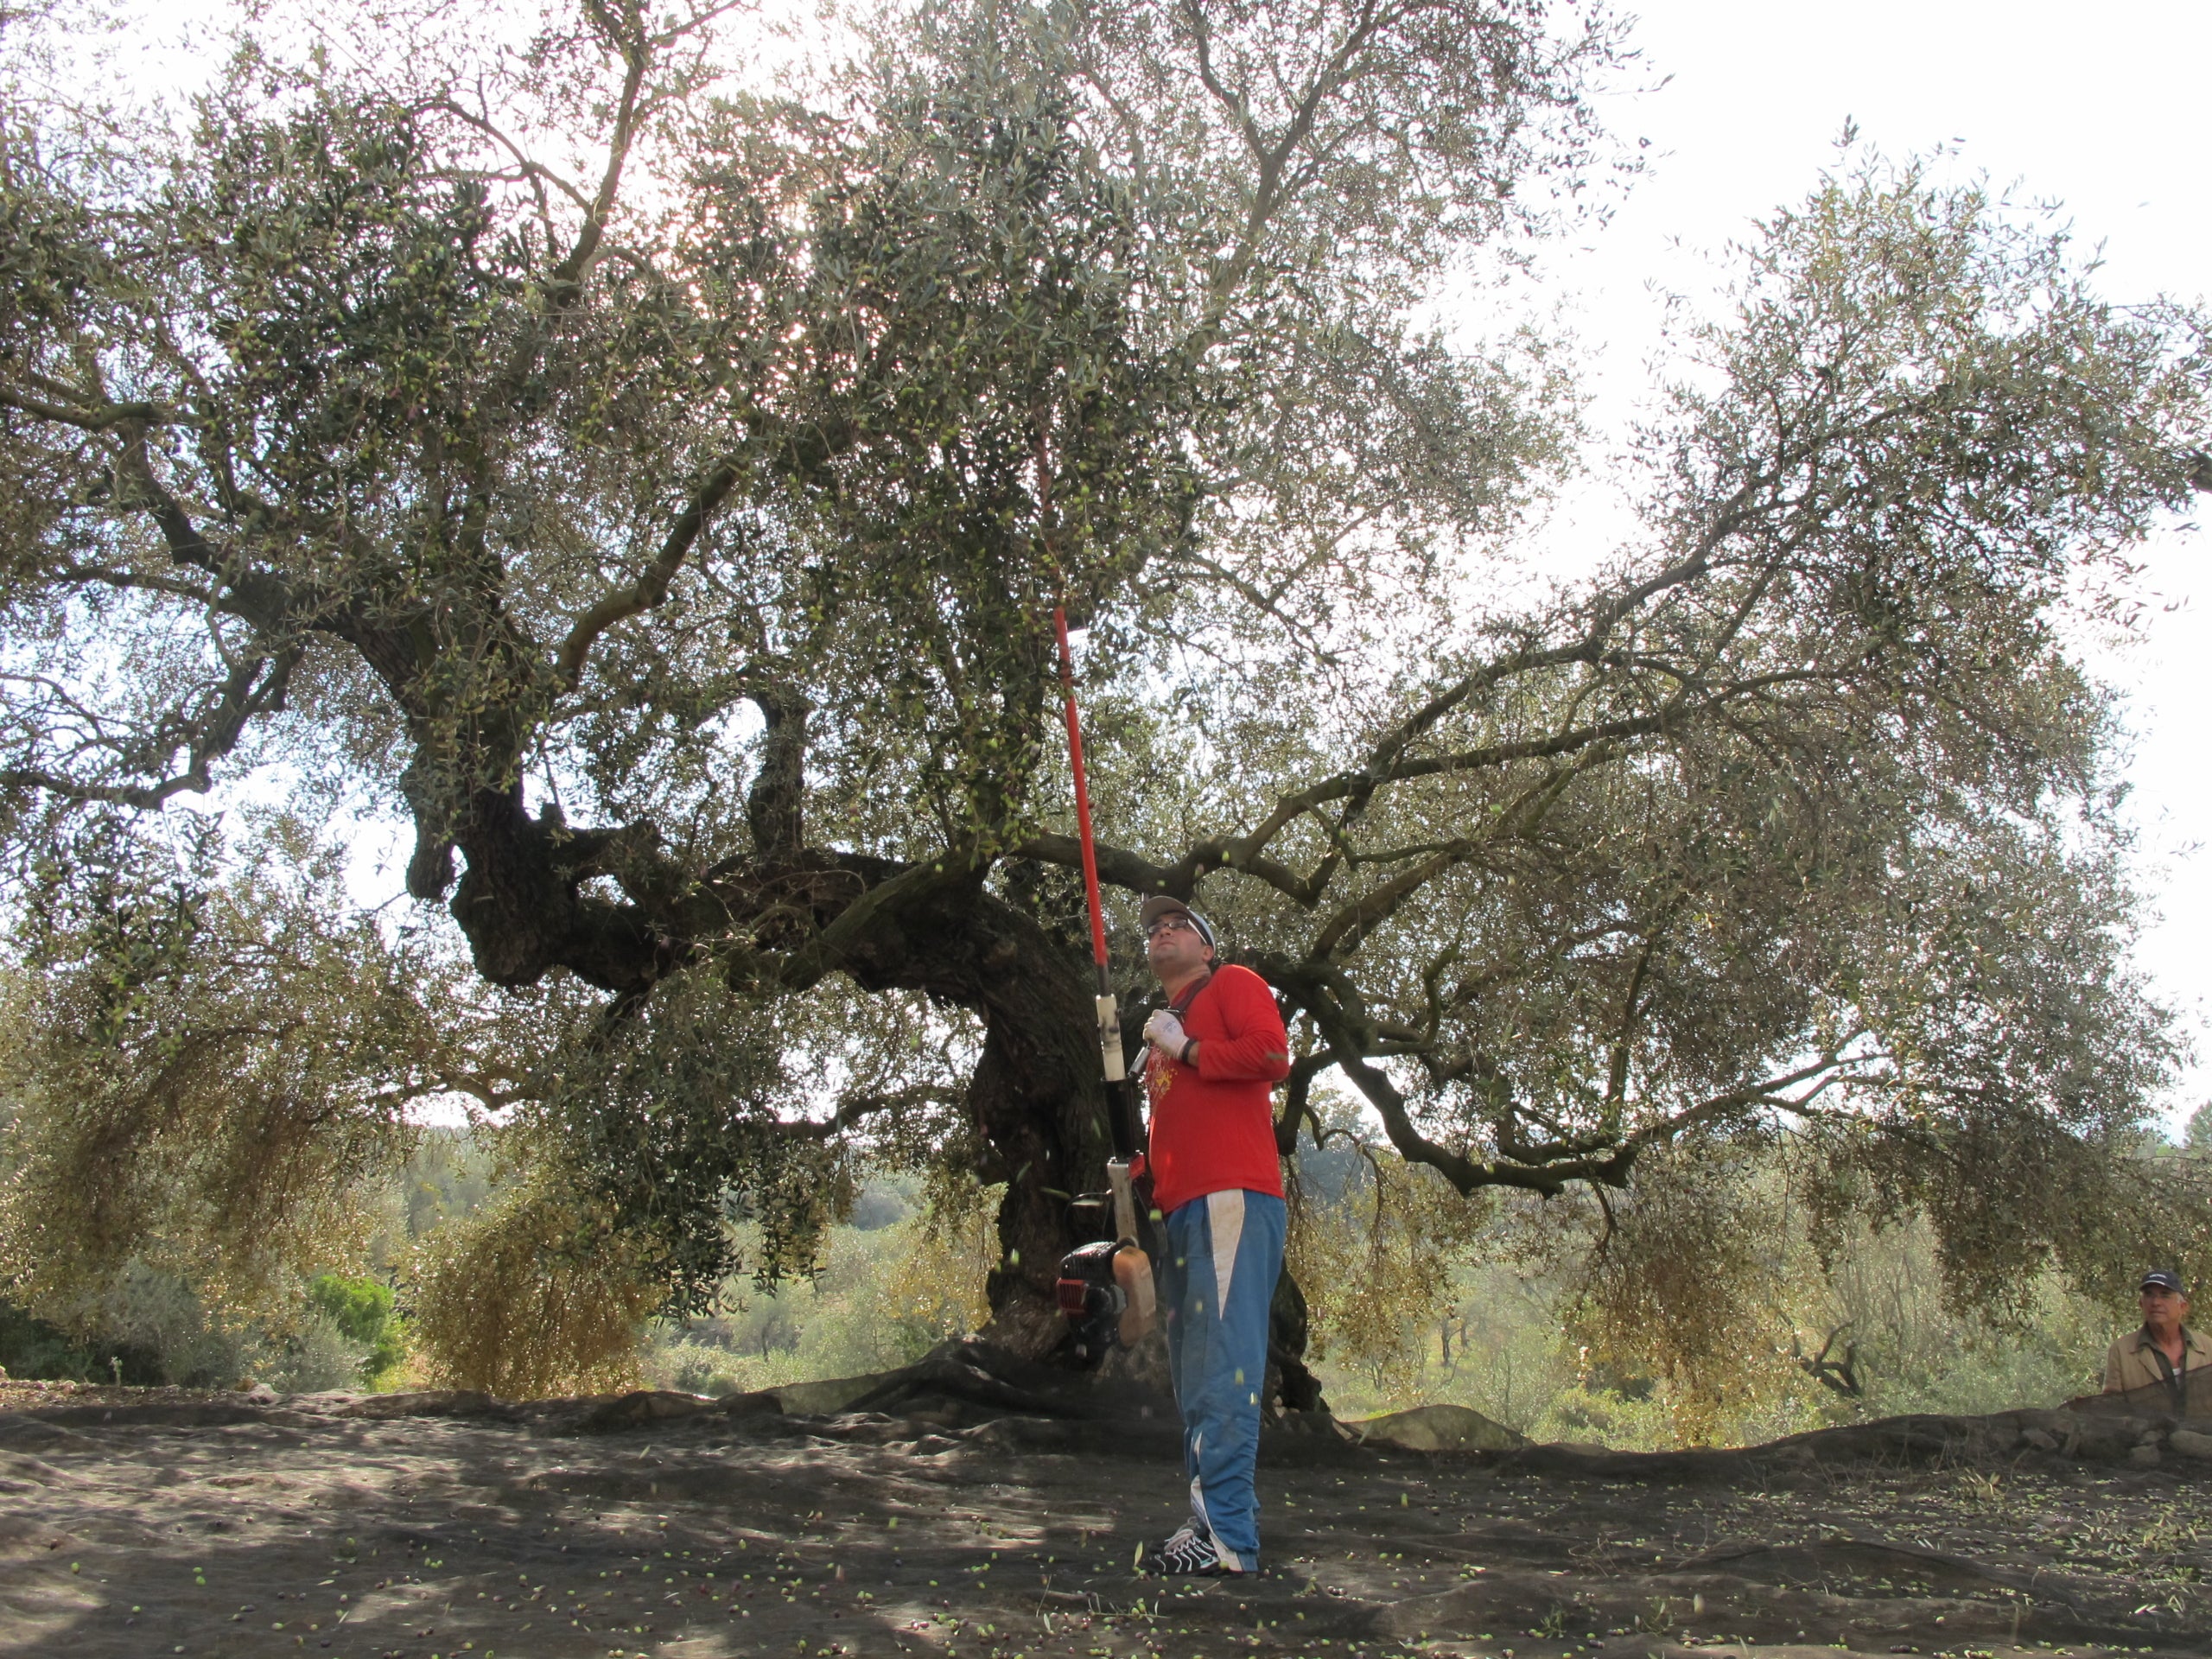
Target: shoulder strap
column 1181, row 1006
column 2176, row 1386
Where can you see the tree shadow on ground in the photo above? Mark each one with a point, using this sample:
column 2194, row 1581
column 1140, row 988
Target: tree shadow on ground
column 972, row 1506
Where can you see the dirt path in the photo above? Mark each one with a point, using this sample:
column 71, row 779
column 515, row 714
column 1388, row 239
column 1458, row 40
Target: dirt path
column 135, row 1522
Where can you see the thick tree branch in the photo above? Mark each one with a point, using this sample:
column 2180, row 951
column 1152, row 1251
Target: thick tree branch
column 651, row 586
column 628, row 37
column 855, row 1109
column 254, row 686
column 1351, row 926
column 774, row 806
column 89, row 417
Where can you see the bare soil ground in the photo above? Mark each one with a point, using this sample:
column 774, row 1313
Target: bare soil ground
column 961, row 1510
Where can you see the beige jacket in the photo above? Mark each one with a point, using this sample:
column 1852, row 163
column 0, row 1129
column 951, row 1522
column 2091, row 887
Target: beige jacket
column 2131, row 1361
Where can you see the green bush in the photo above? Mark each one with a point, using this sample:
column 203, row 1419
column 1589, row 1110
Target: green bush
column 363, row 1311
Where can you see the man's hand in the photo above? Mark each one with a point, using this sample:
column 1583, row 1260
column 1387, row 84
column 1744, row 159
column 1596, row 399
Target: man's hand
column 1164, row 1033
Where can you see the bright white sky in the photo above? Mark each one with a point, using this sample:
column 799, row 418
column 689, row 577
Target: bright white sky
column 2107, row 119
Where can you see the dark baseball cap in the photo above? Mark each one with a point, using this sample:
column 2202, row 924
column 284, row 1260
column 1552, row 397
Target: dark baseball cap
column 2163, row 1279
column 1166, row 904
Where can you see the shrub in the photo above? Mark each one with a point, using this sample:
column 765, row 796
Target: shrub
column 363, row 1313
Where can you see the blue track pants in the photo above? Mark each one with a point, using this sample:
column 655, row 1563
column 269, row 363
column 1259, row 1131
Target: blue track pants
column 1224, row 1253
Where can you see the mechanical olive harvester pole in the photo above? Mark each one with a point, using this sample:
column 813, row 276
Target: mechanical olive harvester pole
column 1105, row 1289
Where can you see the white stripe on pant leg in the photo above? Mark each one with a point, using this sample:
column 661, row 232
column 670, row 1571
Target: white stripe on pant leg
column 1225, row 1222
column 1225, row 1227
column 1228, row 1557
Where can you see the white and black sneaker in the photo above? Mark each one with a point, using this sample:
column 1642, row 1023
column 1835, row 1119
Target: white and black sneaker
column 1189, row 1553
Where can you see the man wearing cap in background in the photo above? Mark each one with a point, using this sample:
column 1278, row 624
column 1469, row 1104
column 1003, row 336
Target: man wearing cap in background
column 2165, row 1351
column 1216, row 1052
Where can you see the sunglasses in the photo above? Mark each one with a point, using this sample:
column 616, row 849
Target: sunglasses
column 1170, row 925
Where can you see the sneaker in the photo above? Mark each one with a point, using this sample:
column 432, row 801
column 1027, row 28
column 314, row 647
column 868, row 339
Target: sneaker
column 1188, row 1554
column 1191, row 1529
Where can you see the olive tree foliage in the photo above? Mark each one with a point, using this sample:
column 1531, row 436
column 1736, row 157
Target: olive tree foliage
column 371, row 437
column 208, row 1072
column 659, row 494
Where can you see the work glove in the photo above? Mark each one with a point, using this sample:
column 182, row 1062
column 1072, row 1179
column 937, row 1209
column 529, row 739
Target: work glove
column 1164, row 1033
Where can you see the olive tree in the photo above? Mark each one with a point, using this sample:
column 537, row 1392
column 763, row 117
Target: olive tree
column 657, row 493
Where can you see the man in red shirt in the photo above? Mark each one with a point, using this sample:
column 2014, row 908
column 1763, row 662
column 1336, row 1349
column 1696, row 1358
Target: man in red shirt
column 1216, row 1052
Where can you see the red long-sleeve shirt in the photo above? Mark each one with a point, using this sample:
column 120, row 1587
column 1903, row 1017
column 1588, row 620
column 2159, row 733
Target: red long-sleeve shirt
column 1212, row 1127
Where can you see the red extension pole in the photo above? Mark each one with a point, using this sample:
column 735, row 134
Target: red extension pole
column 1132, row 1268
column 1082, row 808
